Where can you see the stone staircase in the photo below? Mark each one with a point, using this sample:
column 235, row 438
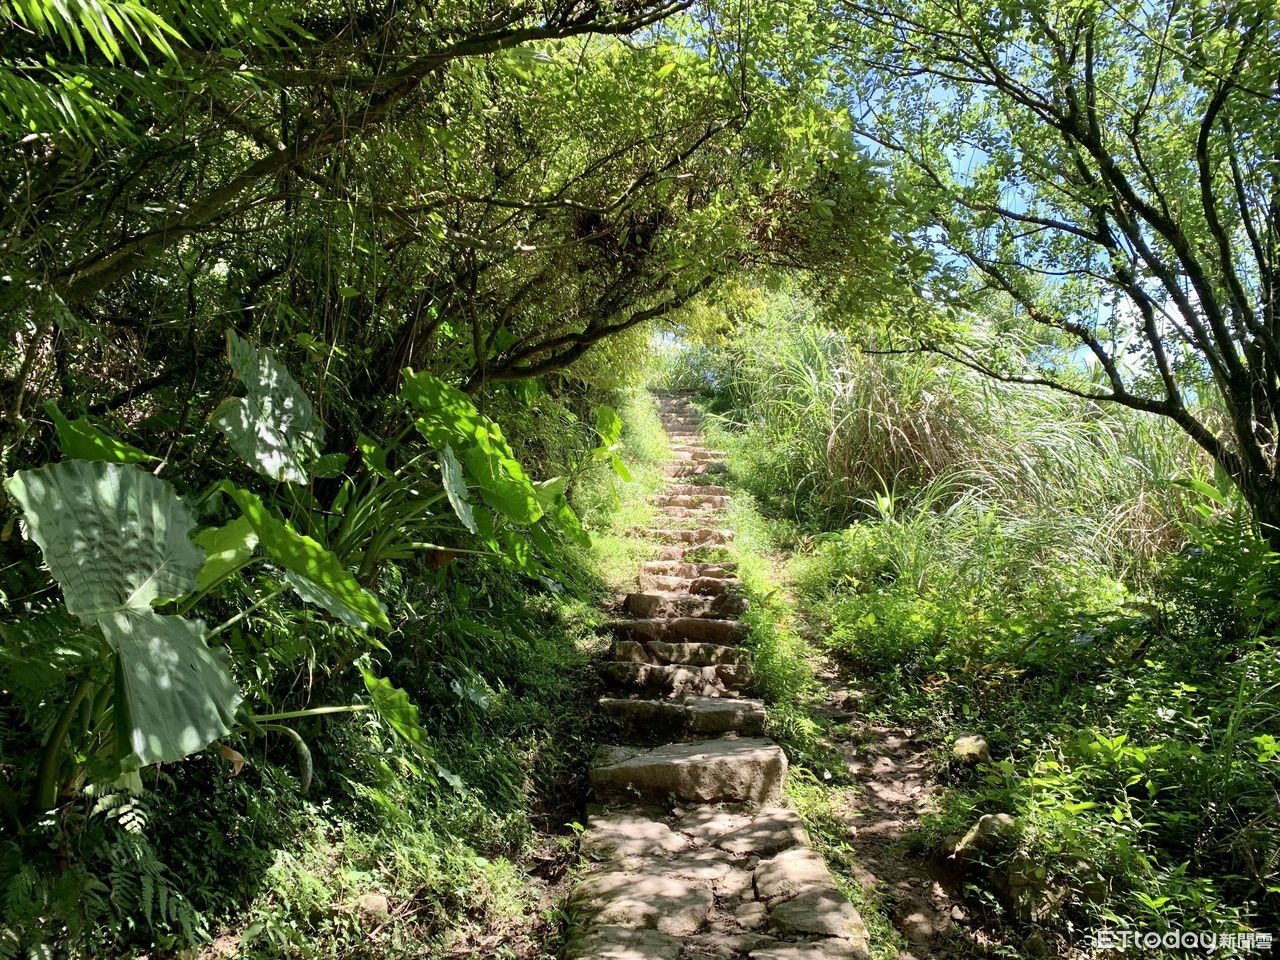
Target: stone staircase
column 691, row 850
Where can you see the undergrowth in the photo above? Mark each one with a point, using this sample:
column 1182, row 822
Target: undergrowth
column 346, row 840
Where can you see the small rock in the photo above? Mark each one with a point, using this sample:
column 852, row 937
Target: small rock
column 1035, row 946
column 751, row 915
column 971, row 750
column 734, row 884
column 373, row 907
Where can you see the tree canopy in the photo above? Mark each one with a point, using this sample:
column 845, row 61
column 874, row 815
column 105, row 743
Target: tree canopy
column 1104, row 176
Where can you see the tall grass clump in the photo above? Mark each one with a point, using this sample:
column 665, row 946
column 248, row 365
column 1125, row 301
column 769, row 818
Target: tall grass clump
column 818, row 429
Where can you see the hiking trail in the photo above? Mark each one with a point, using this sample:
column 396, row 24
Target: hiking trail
column 692, row 851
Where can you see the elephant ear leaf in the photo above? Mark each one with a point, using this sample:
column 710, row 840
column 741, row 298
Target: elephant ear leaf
column 394, row 706
column 174, row 694
column 455, row 488
column 115, row 537
column 314, row 572
column 273, row 427
column 79, row 439
column 449, row 418
column 608, row 425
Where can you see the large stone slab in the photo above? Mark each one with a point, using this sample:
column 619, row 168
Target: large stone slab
column 623, row 943
column 658, row 604
column 727, row 770
column 705, row 630
column 763, row 834
column 694, row 654
column 713, row 586
column 823, row 912
column 720, row 715
column 668, row 680
column 630, row 833
column 829, row 949
column 692, row 717
column 646, row 897
column 698, row 537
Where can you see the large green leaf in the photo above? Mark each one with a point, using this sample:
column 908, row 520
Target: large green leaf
column 502, row 484
column 608, row 425
column 455, row 488
column 79, row 439
column 174, row 695
column 313, row 571
column 273, row 427
column 115, row 537
column 394, row 706
column 449, row 419
column 447, row 414
column 227, row 549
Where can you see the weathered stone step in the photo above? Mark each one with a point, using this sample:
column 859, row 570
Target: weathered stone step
column 696, row 453
column 694, row 469
column 680, row 651
column 678, row 568
column 690, row 583
column 653, row 721
column 746, row 770
column 698, row 536
column 691, row 500
column 656, row 605
column 676, row 680
column 697, row 486
column 701, row 514
column 696, row 629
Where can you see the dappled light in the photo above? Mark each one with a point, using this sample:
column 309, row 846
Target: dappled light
column 646, row 480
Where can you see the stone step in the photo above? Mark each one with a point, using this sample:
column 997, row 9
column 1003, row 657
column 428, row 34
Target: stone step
column 676, row 680
column 680, row 651
column 696, row 453
column 656, row 605
column 661, row 886
column 653, row 721
column 699, row 536
column 678, row 568
column 697, row 469
column 690, row 583
column 703, row 514
column 691, row 500
column 748, row 770
column 695, row 629
column 697, row 486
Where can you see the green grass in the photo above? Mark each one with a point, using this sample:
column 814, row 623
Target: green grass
column 612, row 506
